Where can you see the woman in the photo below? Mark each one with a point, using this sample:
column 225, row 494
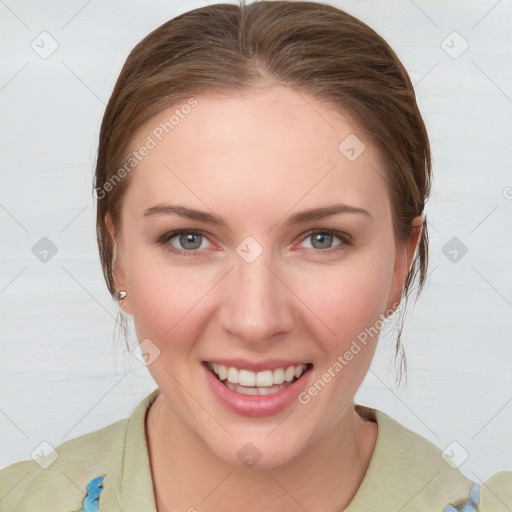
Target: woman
column 261, row 182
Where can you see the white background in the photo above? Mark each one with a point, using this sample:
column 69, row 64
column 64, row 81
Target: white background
column 63, row 369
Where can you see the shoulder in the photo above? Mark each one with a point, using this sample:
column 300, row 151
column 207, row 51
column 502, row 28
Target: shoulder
column 409, row 472
column 58, row 481
column 496, row 493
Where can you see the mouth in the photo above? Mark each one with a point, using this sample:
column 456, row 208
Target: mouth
column 257, row 383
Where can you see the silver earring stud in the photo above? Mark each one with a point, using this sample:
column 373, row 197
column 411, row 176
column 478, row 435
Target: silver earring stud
column 121, row 295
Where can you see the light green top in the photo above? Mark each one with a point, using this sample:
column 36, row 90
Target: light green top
column 406, row 473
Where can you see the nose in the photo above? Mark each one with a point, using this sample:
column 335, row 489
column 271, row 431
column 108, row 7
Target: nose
column 256, row 305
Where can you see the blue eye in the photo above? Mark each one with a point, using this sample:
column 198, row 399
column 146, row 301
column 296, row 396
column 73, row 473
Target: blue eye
column 322, row 240
column 190, row 242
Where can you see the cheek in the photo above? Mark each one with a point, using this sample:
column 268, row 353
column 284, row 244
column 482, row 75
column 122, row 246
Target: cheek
column 349, row 302
column 350, row 297
column 166, row 300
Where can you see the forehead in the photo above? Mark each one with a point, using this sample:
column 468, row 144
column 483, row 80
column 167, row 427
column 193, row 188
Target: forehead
column 265, row 145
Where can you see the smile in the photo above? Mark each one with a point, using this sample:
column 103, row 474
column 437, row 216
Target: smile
column 265, row 382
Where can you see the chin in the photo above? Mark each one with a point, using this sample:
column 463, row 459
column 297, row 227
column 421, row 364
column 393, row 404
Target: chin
column 263, row 454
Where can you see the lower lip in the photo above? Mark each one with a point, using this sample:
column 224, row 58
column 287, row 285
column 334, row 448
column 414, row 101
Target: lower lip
column 256, row 406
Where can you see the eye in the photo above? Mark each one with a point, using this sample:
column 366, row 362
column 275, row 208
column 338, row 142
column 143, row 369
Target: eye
column 323, row 240
column 193, row 243
column 184, row 242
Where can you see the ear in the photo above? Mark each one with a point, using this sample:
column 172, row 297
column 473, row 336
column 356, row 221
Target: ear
column 118, row 266
column 404, row 256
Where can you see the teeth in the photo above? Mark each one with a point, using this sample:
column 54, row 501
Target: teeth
column 265, row 379
column 246, row 378
column 255, row 390
column 222, row 372
column 279, row 375
column 289, row 374
column 232, row 375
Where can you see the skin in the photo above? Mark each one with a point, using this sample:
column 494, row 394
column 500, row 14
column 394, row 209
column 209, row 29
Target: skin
column 255, row 159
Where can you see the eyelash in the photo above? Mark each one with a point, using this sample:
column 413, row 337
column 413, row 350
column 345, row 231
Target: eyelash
column 344, row 238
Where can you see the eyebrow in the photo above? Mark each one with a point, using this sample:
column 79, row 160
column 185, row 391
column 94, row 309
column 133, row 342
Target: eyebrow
column 297, row 218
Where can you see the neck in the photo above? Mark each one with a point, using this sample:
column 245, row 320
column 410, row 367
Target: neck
column 188, row 476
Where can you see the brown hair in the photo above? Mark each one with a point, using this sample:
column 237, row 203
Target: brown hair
column 313, row 47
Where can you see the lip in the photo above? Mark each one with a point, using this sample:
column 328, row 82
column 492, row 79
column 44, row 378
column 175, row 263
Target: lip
column 257, row 366
column 256, row 406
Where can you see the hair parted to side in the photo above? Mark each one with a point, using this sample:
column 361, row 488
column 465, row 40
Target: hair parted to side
column 315, row 48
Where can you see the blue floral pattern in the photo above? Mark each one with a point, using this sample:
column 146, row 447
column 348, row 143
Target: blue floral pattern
column 91, row 501
column 469, row 505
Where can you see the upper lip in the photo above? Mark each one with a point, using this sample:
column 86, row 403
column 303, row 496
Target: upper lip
column 257, row 366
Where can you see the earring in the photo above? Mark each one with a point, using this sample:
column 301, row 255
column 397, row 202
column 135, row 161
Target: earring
column 121, row 295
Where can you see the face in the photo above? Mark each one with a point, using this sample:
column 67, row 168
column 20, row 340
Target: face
column 258, row 256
